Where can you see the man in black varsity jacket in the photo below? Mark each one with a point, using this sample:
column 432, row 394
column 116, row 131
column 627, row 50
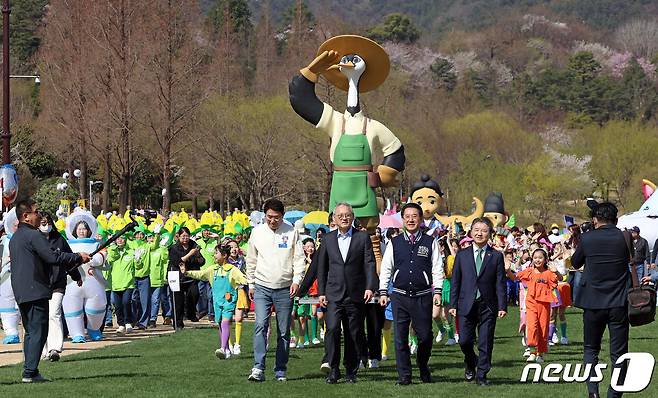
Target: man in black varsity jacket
column 413, row 264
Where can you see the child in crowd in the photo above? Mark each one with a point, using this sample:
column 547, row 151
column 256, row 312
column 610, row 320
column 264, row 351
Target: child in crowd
column 236, row 257
column 540, row 281
column 122, row 277
column 224, row 280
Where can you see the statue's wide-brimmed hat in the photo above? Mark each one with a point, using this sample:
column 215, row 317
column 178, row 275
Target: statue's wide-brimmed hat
column 377, row 62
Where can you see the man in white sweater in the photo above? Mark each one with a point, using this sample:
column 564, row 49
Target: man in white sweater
column 275, row 267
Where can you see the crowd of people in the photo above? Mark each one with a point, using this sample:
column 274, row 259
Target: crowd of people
column 323, row 285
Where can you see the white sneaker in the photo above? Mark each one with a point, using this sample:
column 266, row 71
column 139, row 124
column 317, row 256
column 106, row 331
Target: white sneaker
column 554, row 338
column 36, row 379
column 384, row 357
column 300, row 345
column 550, row 343
column 413, row 349
column 531, row 358
column 373, row 363
column 450, row 342
column 219, row 353
column 236, row 349
column 527, row 352
column 121, row 330
column 325, row 368
column 129, row 328
column 362, row 365
column 293, row 342
column 539, row 359
column 564, row 341
column 280, row 375
column 307, row 343
column 316, row 341
column 322, row 334
column 256, row 375
column 439, row 337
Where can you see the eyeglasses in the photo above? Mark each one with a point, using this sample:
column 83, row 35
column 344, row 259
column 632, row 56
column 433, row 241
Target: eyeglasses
column 343, row 216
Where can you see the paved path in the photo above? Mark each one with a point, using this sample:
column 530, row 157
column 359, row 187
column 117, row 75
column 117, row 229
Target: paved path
column 13, row 353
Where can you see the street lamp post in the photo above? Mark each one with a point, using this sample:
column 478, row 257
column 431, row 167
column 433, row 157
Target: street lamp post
column 91, row 184
column 6, row 134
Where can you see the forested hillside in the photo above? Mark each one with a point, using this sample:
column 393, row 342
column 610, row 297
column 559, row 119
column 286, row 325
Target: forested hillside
column 545, row 101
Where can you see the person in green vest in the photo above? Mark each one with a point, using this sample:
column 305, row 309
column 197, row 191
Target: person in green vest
column 207, row 242
column 141, row 296
column 122, row 274
column 354, row 64
column 156, row 258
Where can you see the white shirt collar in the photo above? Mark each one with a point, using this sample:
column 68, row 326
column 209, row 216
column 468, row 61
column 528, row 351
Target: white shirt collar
column 347, row 234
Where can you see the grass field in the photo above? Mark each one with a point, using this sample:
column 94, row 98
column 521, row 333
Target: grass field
column 184, row 365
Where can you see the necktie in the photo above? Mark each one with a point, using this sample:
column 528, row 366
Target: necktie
column 411, row 238
column 478, row 267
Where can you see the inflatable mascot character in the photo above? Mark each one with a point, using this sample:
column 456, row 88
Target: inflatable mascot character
column 494, row 209
column 427, row 193
column 354, row 64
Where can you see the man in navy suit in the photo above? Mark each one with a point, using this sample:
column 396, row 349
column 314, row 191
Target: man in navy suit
column 477, row 296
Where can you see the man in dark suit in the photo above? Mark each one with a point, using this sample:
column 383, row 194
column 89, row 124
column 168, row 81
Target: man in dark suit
column 346, row 281
column 477, row 296
column 603, row 289
column 31, row 261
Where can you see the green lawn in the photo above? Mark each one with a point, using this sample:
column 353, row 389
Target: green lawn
column 184, row 365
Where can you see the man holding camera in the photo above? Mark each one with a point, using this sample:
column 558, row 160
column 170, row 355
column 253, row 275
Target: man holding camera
column 603, row 288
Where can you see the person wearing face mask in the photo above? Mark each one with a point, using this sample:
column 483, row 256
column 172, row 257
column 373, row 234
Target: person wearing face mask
column 555, row 236
column 55, row 342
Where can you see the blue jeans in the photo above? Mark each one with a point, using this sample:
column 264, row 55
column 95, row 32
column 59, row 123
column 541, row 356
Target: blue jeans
column 202, row 304
column 264, row 298
column 165, row 302
column 122, row 307
column 156, row 293
column 142, row 301
column 108, row 308
column 211, row 305
column 639, row 269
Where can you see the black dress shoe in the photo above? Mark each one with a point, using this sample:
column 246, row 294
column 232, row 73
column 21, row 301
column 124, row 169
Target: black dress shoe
column 483, row 382
column 469, row 374
column 426, row 378
column 350, row 379
column 403, row 382
column 594, row 395
column 331, row 380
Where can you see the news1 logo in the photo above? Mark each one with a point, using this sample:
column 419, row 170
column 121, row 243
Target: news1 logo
column 639, row 370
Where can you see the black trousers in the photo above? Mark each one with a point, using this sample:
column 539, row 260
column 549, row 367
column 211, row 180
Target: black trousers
column 375, row 317
column 594, row 324
column 350, row 315
column 186, row 300
column 34, row 315
column 418, row 312
column 482, row 318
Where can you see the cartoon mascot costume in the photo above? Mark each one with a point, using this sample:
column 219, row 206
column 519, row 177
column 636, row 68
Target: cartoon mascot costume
column 354, row 64
column 88, row 299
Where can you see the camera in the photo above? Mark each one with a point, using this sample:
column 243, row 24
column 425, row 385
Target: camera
column 147, row 214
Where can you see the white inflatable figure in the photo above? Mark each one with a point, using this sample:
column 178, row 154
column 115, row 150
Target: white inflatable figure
column 88, row 299
column 8, row 308
column 646, row 218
